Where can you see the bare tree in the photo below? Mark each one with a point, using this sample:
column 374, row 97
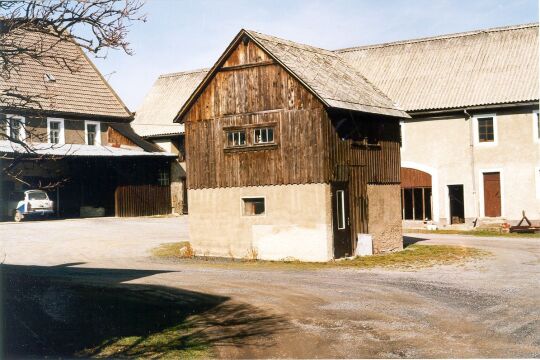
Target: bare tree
column 31, row 31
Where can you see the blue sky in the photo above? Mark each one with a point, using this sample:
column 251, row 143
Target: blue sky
column 186, row 35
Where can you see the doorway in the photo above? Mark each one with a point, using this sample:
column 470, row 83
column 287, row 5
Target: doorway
column 457, row 204
column 341, row 222
column 492, row 194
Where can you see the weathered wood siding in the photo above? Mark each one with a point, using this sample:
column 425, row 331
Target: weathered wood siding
column 250, row 89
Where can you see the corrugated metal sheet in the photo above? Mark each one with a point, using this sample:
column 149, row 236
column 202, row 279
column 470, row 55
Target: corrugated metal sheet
column 78, row 88
column 491, row 66
column 328, row 76
column 78, row 150
column 162, row 103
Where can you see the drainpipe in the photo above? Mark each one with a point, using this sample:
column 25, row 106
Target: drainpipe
column 468, row 117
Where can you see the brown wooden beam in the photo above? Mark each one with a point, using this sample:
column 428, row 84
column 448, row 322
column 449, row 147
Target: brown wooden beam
column 247, row 66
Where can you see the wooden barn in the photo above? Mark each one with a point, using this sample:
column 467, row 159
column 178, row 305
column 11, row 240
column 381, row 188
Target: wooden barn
column 291, row 153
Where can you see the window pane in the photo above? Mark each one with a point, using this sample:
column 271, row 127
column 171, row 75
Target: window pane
column 270, row 135
column 538, row 124
column 485, row 130
column 254, row 206
column 242, row 138
column 340, row 198
column 91, row 131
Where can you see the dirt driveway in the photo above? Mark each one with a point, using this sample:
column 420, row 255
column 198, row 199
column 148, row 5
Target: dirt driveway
column 486, row 308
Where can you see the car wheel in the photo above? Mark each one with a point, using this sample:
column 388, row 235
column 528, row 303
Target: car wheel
column 18, row 216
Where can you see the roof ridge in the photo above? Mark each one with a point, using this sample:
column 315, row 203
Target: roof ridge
column 179, row 73
column 438, row 37
column 289, row 42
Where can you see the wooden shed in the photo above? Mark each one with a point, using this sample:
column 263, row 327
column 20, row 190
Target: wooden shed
column 290, row 154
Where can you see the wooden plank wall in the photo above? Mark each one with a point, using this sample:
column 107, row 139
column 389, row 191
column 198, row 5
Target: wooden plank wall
column 250, row 89
column 142, row 200
column 411, row 178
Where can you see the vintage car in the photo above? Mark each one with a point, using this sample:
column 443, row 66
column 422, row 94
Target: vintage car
column 30, row 203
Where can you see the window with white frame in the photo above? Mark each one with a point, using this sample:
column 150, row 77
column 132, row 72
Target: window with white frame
column 253, row 206
column 92, row 133
column 236, row 138
column 263, row 135
column 55, row 130
column 16, row 128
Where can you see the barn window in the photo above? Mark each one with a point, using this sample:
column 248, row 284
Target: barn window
column 253, row 206
column 236, row 138
column 163, row 177
column 264, row 135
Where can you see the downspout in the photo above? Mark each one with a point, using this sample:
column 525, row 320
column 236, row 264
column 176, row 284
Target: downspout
column 468, row 117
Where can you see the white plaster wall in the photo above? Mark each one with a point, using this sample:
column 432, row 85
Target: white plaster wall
column 296, row 223
column 443, row 146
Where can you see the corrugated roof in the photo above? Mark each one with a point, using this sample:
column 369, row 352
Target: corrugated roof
column 337, row 83
column 77, row 89
column 492, row 66
column 78, row 150
column 163, row 101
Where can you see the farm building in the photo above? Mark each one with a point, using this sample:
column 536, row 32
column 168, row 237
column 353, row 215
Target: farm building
column 471, row 149
column 75, row 140
column 154, row 121
column 291, row 152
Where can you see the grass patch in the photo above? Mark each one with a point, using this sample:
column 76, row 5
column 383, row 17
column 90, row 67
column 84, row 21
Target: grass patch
column 177, row 250
column 471, row 232
column 413, row 256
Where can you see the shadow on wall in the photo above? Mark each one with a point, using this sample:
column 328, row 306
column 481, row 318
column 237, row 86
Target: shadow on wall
column 65, row 312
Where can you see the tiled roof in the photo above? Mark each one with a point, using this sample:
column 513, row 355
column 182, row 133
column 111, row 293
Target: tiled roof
column 475, row 68
column 78, row 88
column 163, row 101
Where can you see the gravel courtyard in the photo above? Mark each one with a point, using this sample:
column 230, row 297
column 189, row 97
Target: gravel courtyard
column 484, row 308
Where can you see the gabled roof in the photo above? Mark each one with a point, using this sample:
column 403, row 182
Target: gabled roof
column 334, row 82
column 484, row 67
column 163, row 101
column 77, row 87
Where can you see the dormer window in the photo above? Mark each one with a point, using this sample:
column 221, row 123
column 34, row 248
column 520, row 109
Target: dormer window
column 49, row 78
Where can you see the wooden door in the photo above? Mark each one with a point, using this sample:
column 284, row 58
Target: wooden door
column 492, row 194
column 341, row 221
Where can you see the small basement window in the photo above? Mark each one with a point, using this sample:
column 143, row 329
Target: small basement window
column 253, row 206
column 264, row 135
column 236, row 138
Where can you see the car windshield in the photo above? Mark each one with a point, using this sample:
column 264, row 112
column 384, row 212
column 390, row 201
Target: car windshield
column 37, row 196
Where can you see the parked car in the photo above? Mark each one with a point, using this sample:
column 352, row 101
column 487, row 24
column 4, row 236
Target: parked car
column 30, row 203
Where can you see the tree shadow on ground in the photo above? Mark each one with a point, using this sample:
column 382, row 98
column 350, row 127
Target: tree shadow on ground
column 63, row 311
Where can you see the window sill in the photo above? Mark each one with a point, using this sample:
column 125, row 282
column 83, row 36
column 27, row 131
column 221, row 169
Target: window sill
column 250, row 148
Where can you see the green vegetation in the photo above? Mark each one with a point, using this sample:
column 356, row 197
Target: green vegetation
column 488, row 233
column 413, row 256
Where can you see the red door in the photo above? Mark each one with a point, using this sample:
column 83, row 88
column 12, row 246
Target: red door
column 492, row 194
